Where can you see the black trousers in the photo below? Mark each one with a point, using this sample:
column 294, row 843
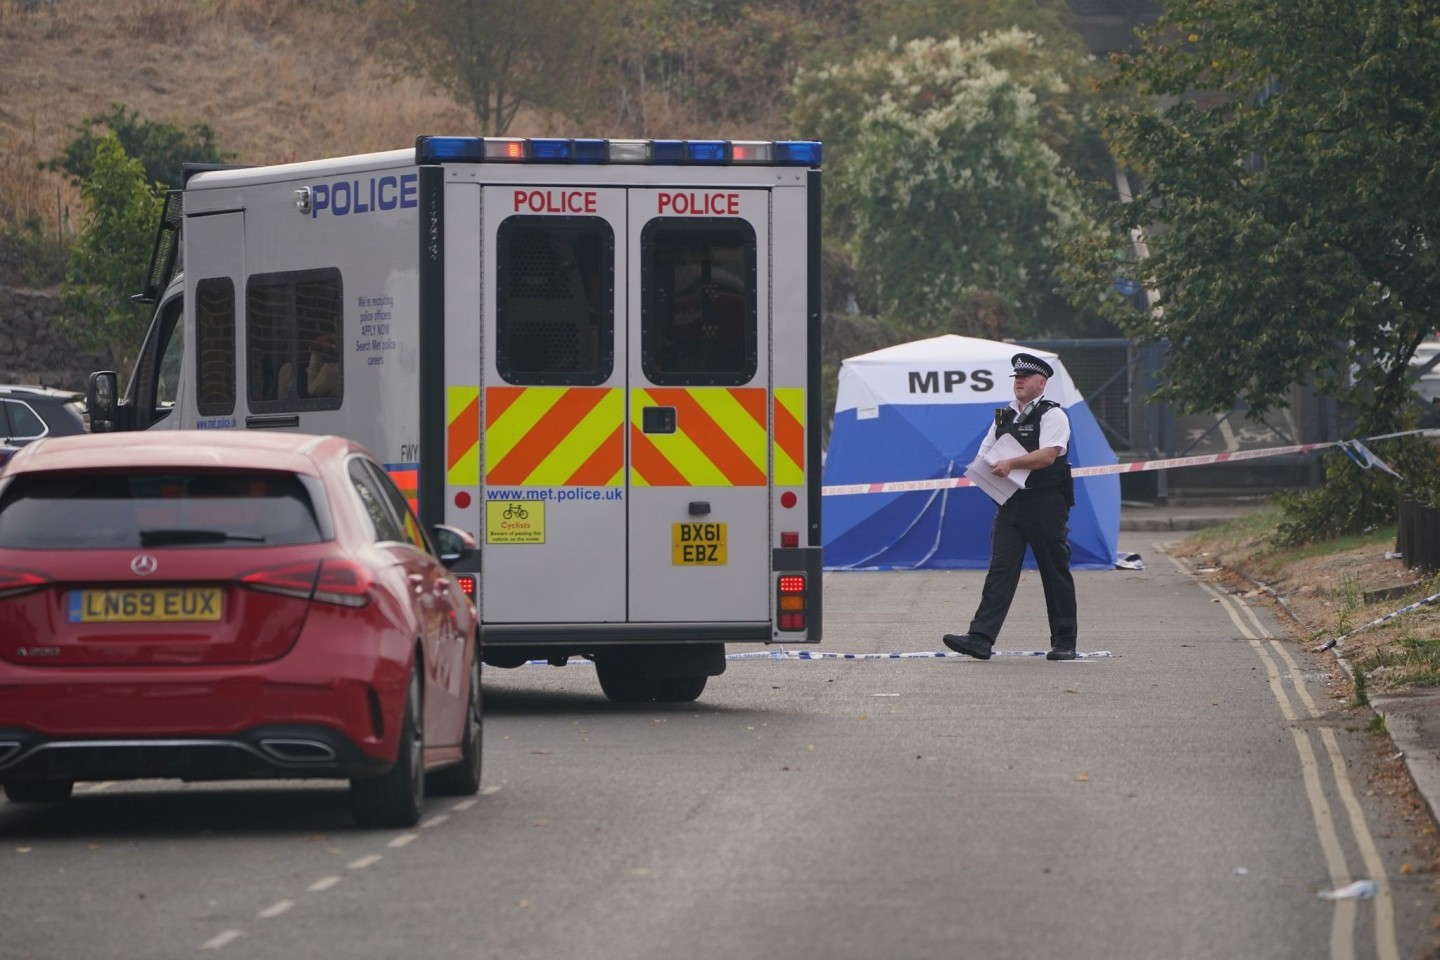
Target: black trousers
column 1037, row 519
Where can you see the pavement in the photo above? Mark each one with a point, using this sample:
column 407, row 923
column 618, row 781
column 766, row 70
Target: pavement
column 1412, row 719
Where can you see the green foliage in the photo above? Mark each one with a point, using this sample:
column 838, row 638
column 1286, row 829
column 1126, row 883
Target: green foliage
column 1355, row 500
column 1288, row 207
column 33, row 256
column 161, row 149
column 945, row 181
column 121, row 210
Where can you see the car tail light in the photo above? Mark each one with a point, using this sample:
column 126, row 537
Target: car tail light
column 343, row 582
column 15, row 582
column 293, row 580
column 467, row 584
column 790, row 539
column 790, row 602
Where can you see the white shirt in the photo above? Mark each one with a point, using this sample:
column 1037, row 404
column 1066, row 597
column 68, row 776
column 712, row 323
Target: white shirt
column 1054, row 431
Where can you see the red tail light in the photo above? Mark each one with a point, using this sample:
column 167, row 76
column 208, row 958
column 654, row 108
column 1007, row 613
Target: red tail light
column 467, row 584
column 15, row 582
column 790, row 602
column 344, row 583
column 295, row 580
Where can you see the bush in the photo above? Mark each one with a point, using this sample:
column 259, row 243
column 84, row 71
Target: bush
column 1357, row 500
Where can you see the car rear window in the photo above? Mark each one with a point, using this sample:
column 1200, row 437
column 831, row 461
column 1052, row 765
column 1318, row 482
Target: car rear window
column 152, row 510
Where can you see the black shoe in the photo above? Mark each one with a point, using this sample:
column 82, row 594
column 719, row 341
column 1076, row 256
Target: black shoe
column 969, row 645
column 1061, row 653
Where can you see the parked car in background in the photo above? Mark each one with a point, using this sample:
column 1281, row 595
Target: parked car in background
column 28, row 414
column 231, row 605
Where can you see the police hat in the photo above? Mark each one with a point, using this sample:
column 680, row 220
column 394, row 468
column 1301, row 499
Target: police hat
column 1027, row 363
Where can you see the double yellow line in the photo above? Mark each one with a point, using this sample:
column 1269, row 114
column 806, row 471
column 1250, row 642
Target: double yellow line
column 1271, row 650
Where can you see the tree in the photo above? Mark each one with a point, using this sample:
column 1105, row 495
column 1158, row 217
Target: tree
column 1290, row 207
column 161, row 148
column 946, row 186
column 107, row 262
column 496, row 56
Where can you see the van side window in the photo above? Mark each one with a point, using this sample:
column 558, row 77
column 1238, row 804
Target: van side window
column 215, row 346
column 698, row 315
column 555, row 300
column 292, row 341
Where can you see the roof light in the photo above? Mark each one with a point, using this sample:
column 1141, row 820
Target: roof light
column 751, row 151
column 590, row 151
column 551, row 151
column 667, row 151
column 440, row 149
column 629, row 151
column 707, row 151
column 798, row 153
column 497, row 148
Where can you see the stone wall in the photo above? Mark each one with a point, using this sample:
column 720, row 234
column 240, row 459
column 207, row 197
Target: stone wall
column 33, row 347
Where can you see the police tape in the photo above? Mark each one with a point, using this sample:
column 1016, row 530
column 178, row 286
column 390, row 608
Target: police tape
column 1356, row 450
column 830, row 655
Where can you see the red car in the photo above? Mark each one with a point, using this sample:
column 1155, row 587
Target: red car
column 226, row 605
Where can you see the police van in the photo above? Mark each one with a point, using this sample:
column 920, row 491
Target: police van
column 599, row 356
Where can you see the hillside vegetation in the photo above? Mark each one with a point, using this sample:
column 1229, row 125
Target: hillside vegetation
column 277, row 80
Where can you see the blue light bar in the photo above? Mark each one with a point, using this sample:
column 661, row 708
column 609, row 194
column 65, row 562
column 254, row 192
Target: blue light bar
column 667, row 151
column 707, row 151
column 592, row 151
column 790, row 153
column 441, row 149
column 798, row 153
column 551, row 151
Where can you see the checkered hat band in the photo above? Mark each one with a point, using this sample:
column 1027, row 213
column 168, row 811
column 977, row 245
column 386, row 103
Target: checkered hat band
column 1025, row 366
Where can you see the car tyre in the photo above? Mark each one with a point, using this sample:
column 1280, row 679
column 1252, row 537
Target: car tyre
column 39, row 791
column 397, row 798
column 463, row 779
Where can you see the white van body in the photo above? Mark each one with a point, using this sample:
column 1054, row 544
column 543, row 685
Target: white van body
column 600, row 357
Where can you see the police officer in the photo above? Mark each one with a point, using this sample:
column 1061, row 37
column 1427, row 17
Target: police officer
column 1035, row 516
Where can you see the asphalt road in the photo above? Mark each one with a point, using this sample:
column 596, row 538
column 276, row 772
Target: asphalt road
column 1190, row 795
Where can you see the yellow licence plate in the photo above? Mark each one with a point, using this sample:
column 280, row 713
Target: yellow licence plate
column 145, row 605
column 697, row 544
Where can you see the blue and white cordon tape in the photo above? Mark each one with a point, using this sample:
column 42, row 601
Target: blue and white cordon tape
column 828, row 655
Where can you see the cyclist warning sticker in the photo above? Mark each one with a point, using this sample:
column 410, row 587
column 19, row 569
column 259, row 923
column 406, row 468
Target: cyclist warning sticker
column 515, row 521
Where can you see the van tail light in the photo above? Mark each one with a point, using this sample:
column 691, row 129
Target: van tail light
column 15, row 582
column 467, row 584
column 790, row 597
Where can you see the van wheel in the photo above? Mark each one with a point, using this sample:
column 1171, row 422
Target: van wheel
column 463, row 779
column 396, row 798
column 681, row 689
column 39, row 791
column 620, row 681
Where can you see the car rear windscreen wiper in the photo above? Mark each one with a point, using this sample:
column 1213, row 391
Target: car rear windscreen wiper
column 162, row 537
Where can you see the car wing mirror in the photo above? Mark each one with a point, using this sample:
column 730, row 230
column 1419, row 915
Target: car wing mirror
column 452, row 544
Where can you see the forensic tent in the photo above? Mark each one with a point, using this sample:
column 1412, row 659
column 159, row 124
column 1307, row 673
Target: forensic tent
column 918, row 411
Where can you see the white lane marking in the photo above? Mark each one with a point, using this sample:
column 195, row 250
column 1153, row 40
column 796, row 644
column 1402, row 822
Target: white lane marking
column 1342, row 927
column 463, row 805
column 275, row 909
column 364, row 862
column 324, row 883
column 221, row 939
column 435, row 821
column 487, row 792
column 97, row 787
column 403, row 839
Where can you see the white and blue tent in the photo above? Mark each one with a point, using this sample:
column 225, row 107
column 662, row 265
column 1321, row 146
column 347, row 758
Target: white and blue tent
column 918, row 411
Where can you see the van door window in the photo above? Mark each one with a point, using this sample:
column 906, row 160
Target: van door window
column 215, row 346
column 292, row 340
column 698, row 321
column 555, row 316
